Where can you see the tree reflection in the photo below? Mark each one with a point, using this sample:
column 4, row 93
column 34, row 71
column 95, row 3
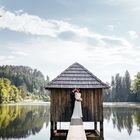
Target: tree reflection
column 22, row 121
column 123, row 117
column 136, row 118
column 107, row 113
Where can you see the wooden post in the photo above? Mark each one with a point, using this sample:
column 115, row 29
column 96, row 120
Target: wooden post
column 95, row 125
column 55, row 126
column 51, row 129
column 101, row 130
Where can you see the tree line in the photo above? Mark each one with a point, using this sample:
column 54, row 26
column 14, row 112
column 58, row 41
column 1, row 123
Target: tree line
column 21, row 82
column 123, row 89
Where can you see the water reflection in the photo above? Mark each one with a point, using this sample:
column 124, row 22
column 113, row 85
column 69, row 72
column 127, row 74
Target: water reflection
column 22, row 121
column 32, row 122
column 123, row 117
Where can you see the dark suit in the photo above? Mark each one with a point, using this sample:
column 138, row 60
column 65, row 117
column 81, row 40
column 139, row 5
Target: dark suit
column 72, row 97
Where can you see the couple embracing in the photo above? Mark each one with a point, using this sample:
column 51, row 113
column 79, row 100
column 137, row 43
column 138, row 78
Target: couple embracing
column 76, row 103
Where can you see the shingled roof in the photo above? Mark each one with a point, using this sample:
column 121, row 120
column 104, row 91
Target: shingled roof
column 76, row 76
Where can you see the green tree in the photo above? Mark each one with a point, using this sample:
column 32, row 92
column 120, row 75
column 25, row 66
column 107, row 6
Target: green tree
column 127, row 87
column 8, row 93
column 118, row 88
column 136, row 87
column 113, row 91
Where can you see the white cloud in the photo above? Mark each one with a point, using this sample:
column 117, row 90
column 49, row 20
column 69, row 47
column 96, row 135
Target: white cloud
column 123, row 2
column 52, row 55
column 20, row 53
column 111, row 27
column 136, row 9
column 133, row 34
column 6, row 59
column 23, row 22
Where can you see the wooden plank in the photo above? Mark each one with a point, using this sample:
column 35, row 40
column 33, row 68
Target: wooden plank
column 99, row 98
column 89, row 105
column 98, row 102
column 94, row 105
column 52, row 106
column 76, row 131
column 59, row 107
column 86, row 106
column 101, row 105
column 91, row 94
column 83, row 104
column 62, row 112
column 66, row 105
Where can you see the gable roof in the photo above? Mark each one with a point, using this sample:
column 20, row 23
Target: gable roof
column 76, row 76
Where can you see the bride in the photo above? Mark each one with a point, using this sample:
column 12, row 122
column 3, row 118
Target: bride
column 77, row 112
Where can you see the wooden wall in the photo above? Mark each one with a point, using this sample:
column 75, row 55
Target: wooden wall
column 92, row 105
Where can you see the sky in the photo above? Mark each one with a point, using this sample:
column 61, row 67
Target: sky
column 50, row 35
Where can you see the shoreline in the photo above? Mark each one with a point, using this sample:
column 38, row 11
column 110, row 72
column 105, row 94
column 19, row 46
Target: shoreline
column 105, row 104
column 122, row 104
column 27, row 103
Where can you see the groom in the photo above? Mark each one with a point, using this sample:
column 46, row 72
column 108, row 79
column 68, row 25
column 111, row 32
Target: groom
column 72, row 97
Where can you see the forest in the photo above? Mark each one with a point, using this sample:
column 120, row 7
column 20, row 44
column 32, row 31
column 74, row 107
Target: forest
column 123, row 89
column 20, row 83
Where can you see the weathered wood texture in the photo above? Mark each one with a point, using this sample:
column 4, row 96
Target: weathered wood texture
column 92, row 105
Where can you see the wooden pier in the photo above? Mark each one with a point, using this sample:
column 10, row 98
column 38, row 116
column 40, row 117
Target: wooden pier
column 76, row 130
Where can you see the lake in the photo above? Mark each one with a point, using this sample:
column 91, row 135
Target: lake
column 31, row 121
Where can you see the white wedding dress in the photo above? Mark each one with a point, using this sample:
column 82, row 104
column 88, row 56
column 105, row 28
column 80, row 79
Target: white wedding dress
column 77, row 112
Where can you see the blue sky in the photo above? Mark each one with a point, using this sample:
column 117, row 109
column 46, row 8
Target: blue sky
column 50, row 35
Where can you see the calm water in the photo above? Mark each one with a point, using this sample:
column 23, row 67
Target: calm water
column 31, row 122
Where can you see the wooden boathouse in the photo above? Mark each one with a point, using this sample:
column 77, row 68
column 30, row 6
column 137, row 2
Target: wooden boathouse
column 76, row 76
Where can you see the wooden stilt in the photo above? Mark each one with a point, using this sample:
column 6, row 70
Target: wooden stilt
column 55, row 126
column 51, row 129
column 101, row 129
column 51, row 125
column 95, row 125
